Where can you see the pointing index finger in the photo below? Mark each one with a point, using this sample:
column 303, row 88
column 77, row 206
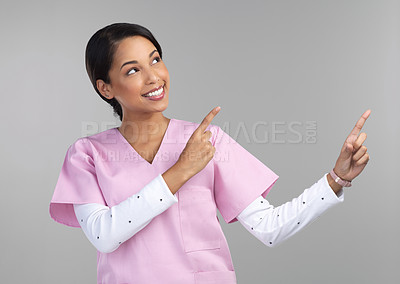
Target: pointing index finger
column 207, row 120
column 360, row 123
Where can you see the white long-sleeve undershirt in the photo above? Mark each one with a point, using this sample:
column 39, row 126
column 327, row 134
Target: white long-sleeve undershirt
column 272, row 225
column 108, row 227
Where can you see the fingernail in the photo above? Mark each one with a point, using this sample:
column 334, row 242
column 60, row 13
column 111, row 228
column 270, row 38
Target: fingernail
column 218, row 108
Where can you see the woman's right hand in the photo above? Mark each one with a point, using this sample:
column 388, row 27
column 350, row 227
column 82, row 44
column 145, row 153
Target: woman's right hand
column 198, row 150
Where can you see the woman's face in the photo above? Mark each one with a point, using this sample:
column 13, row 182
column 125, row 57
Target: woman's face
column 137, row 69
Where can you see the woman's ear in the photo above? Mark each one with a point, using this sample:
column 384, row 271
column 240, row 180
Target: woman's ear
column 104, row 89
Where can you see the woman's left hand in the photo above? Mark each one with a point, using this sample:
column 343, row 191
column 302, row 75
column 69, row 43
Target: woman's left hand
column 353, row 156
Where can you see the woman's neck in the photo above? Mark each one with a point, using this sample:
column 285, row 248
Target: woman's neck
column 144, row 130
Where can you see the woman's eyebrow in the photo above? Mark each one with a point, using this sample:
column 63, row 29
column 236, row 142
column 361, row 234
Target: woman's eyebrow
column 134, row 61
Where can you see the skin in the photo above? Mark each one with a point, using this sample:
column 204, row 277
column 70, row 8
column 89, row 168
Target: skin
column 353, row 156
column 144, row 124
column 143, row 121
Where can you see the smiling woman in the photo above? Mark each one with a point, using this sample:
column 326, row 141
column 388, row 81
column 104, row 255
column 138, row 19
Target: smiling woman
column 150, row 207
column 124, row 63
column 132, row 81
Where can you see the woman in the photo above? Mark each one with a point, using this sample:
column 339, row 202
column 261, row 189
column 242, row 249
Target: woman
column 146, row 193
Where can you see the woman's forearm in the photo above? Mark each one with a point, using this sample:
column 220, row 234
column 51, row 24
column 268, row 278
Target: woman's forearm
column 175, row 177
column 272, row 225
column 108, row 227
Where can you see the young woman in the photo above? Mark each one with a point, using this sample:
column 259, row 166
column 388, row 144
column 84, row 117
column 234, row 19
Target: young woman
column 146, row 193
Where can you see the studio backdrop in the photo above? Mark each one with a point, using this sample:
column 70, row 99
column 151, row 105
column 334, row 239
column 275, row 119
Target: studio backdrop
column 292, row 78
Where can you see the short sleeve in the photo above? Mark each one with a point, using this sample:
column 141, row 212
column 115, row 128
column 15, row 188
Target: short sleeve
column 239, row 177
column 77, row 184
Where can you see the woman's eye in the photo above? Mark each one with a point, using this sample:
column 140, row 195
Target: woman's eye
column 157, row 58
column 130, row 71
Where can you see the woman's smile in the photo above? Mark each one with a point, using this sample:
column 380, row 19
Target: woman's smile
column 155, row 94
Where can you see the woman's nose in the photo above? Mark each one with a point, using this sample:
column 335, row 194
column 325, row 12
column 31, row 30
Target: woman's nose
column 152, row 77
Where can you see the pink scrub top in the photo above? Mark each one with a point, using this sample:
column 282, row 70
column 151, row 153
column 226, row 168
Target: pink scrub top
column 184, row 244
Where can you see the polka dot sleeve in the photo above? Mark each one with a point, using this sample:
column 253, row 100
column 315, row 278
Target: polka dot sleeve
column 272, row 225
column 107, row 228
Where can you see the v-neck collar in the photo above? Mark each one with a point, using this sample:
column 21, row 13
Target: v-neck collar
column 119, row 134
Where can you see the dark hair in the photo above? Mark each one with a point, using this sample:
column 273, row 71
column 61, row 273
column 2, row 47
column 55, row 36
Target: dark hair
column 100, row 53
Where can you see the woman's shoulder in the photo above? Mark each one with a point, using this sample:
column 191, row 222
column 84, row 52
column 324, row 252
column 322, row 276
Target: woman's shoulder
column 102, row 136
column 91, row 142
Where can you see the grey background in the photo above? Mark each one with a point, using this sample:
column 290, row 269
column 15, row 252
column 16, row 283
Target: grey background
column 261, row 61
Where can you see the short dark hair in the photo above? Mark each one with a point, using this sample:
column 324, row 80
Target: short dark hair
column 100, row 51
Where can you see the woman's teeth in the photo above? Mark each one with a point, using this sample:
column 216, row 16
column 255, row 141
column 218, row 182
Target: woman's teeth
column 155, row 93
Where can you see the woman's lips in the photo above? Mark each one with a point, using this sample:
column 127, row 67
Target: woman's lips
column 155, row 89
column 157, row 98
